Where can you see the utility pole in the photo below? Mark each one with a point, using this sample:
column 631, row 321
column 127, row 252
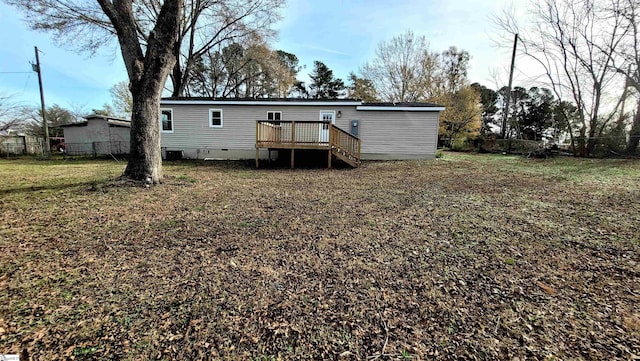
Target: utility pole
column 508, row 100
column 36, row 68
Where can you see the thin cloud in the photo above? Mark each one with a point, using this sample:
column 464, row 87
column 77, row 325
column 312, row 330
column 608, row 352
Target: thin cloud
column 326, row 50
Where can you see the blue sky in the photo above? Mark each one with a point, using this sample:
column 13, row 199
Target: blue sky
column 341, row 33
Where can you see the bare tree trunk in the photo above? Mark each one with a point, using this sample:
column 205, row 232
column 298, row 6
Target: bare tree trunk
column 591, row 140
column 145, row 157
column 148, row 71
column 582, row 143
column 177, row 77
column 573, row 141
column 634, row 136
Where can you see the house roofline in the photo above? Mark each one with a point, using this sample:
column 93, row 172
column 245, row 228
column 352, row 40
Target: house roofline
column 360, row 105
column 258, row 102
column 110, row 121
column 401, row 108
column 107, row 117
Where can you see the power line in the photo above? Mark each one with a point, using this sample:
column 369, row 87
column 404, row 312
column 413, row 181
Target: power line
column 15, row 72
column 26, row 82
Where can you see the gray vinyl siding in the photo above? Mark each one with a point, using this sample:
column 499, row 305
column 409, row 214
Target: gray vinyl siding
column 97, row 136
column 390, row 133
column 398, row 132
column 96, row 130
column 191, row 131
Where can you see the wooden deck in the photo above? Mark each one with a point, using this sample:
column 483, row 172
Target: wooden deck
column 308, row 135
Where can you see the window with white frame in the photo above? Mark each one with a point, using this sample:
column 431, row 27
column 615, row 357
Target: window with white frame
column 166, row 120
column 215, row 118
column 274, row 115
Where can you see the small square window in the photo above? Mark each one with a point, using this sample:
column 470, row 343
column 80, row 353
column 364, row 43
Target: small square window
column 166, row 120
column 215, row 118
column 274, row 115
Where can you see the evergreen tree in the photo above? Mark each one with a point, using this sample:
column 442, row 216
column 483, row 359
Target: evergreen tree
column 323, row 84
column 361, row 88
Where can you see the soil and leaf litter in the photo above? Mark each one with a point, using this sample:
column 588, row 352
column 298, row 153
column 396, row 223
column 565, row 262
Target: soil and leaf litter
column 466, row 257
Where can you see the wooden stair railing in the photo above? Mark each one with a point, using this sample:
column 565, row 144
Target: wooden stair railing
column 345, row 146
column 308, row 135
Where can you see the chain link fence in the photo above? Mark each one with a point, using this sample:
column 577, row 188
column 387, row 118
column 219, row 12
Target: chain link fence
column 16, row 145
column 97, row 148
column 601, row 146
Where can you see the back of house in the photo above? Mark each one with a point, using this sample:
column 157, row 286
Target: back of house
column 206, row 128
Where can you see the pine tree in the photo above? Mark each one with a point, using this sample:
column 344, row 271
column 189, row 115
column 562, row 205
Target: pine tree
column 323, row 84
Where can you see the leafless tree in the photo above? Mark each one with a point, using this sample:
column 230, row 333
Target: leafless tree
column 629, row 64
column 157, row 39
column 574, row 42
column 208, row 24
column 250, row 70
column 403, row 69
column 10, row 114
column 121, row 98
column 148, row 50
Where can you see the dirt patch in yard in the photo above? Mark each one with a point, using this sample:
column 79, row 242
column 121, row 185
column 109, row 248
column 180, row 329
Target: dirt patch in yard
column 468, row 257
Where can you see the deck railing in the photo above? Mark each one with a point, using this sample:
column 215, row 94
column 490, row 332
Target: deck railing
column 281, row 134
column 292, row 134
column 268, row 133
column 345, row 143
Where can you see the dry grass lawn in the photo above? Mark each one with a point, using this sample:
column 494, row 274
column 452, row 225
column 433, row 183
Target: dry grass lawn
column 470, row 256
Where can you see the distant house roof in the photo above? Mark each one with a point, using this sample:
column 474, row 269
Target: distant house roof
column 360, row 105
column 115, row 121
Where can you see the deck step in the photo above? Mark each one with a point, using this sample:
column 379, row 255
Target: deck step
column 347, row 158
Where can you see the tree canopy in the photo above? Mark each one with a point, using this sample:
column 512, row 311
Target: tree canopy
column 56, row 117
column 10, row 119
column 361, row 88
column 323, row 84
column 121, row 99
column 237, row 70
column 403, row 69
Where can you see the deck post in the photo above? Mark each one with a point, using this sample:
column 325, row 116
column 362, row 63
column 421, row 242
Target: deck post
column 293, row 142
column 330, row 145
column 359, row 144
column 257, row 139
column 257, row 155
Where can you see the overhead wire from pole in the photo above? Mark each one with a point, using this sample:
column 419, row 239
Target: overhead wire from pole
column 505, row 115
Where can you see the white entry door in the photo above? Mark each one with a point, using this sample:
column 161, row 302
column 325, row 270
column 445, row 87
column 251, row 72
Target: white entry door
column 326, row 116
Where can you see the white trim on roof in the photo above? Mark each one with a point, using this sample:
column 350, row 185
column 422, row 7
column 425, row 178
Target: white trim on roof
column 406, row 109
column 255, row 102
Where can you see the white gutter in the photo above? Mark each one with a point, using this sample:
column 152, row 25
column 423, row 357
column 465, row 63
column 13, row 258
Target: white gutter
column 357, row 104
column 405, row 109
column 255, row 102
